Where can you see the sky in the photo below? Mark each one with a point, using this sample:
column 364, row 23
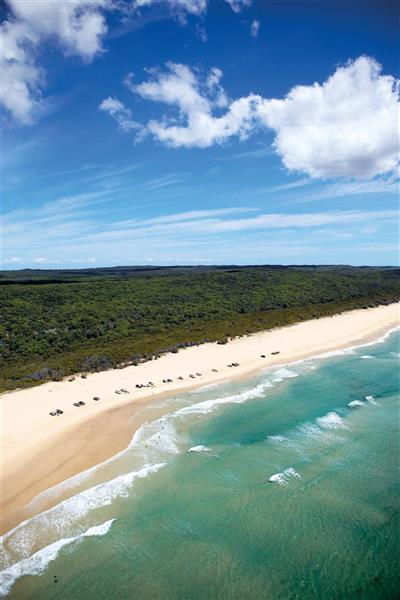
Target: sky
column 199, row 132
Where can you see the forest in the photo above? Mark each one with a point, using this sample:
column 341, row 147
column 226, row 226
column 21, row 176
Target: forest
column 55, row 323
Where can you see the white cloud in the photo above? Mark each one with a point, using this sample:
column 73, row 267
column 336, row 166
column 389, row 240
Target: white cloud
column 255, row 28
column 238, row 5
column 21, row 78
column 165, row 181
column 119, row 112
column 40, row 260
column 353, row 188
column 196, row 99
column 201, row 33
column 198, row 214
column 12, row 260
column 301, row 220
column 192, row 7
column 345, row 127
column 215, row 232
column 77, row 27
column 89, row 261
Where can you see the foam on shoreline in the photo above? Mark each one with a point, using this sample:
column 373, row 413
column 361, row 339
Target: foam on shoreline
column 38, row 562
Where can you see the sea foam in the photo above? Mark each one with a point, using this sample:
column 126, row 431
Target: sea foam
column 38, row 562
column 282, row 374
column 354, row 403
column 282, row 477
column 330, row 421
column 276, row 439
column 55, row 520
column 371, row 400
column 199, row 448
column 159, row 435
column 208, row 406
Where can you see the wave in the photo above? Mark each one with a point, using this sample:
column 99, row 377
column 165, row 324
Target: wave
column 371, row 400
column 368, row 357
column 354, row 403
column 210, row 386
column 282, row 477
column 159, row 435
column 276, row 439
column 317, row 432
column 208, row 406
column 379, row 340
column 311, row 431
column 199, row 448
column 349, row 350
column 21, row 539
column 282, row 374
column 77, row 480
column 330, row 421
column 38, row 562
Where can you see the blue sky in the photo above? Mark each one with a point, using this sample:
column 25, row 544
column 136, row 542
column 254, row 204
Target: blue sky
column 227, row 131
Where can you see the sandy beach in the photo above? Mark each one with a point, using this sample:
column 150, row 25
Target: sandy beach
column 40, row 451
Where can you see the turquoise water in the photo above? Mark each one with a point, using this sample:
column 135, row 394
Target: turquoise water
column 161, row 522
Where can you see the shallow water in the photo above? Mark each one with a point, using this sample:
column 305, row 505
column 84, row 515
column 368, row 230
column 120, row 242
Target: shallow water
column 162, row 522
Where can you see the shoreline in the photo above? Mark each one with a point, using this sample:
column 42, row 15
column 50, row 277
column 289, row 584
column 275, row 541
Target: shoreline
column 40, row 451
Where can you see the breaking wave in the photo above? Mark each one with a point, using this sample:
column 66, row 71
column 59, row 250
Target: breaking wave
column 354, row 403
column 55, row 520
column 282, row 374
column 330, row 421
column 283, row 477
column 208, row 406
column 199, row 448
column 371, row 400
column 38, row 562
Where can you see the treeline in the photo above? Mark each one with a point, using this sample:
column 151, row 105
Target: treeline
column 108, row 318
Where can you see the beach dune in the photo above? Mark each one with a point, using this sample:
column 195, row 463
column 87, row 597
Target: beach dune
column 40, row 450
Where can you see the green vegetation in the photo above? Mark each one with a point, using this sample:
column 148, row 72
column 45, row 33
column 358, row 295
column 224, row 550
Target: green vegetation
column 54, row 323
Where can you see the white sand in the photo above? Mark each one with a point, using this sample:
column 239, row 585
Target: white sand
column 39, row 451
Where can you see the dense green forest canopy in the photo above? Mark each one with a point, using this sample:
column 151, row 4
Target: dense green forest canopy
column 53, row 323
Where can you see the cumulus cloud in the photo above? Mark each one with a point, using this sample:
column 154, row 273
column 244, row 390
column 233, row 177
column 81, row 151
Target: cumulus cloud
column 255, row 28
column 12, row 260
column 77, row 27
column 118, row 111
column 344, row 127
column 198, row 99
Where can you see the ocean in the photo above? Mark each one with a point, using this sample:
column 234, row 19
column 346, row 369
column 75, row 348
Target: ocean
column 281, row 486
